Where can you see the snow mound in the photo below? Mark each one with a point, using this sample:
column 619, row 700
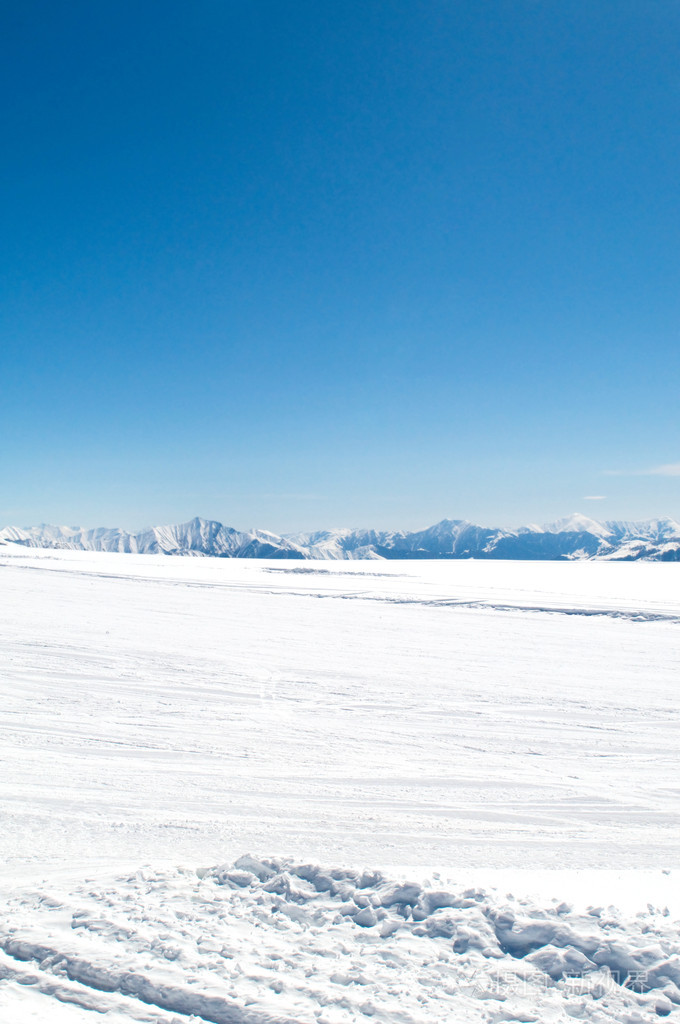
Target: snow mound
column 270, row 941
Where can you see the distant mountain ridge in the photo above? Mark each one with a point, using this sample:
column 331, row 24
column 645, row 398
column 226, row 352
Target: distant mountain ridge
column 574, row 538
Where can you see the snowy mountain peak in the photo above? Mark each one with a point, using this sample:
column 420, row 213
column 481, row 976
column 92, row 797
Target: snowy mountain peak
column 574, row 537
column 577, row 523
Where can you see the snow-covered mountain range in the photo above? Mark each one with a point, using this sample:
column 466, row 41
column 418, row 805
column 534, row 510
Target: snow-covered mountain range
column 576, row 537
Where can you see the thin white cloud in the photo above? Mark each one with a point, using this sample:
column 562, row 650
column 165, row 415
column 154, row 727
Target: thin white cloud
column 668, row 469
column 594, row 497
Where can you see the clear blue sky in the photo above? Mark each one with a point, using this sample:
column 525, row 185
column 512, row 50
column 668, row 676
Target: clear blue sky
column 295, row 264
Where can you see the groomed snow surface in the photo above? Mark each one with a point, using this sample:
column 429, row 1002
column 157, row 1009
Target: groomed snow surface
column 253, row 792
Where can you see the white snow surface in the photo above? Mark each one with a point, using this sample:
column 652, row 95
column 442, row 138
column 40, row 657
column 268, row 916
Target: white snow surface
column 272, row 792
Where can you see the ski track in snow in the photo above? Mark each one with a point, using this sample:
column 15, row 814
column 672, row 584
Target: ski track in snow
column 479, row 720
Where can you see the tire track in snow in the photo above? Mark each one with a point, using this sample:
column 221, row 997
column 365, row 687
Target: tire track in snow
column 174, row 998
column 628, row 615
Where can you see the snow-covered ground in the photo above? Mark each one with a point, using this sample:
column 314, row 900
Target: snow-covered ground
column 469, row 728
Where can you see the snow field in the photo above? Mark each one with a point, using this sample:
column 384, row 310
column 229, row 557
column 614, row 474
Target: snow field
column 470, row 719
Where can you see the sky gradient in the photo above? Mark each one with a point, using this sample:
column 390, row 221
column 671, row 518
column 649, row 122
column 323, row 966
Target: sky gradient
column 295, row 265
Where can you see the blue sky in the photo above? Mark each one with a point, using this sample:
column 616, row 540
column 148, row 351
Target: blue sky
column 299, row 264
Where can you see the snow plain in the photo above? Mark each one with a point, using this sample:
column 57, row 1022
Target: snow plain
column 397, row 745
